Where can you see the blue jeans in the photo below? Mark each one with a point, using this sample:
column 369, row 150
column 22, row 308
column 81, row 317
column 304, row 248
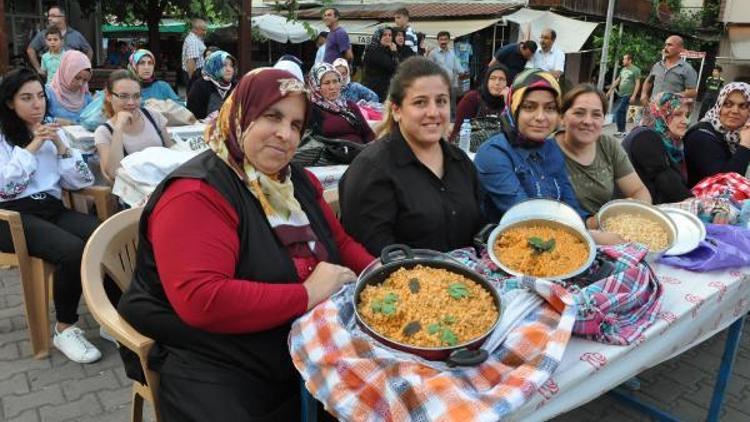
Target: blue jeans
column 621, row 111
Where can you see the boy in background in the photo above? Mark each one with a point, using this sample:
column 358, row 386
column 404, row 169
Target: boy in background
column 51, row 59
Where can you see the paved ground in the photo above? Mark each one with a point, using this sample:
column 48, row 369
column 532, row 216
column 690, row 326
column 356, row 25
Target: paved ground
column 55, row 389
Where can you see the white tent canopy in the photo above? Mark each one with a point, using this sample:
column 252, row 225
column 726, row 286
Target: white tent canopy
column 571, row 33
column 279, row 29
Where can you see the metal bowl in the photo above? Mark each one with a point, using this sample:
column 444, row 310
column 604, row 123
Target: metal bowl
column 545, row 209
column 580, row 232
column 632, row 207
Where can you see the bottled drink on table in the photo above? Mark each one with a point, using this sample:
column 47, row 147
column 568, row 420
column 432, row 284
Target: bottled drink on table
column 464, row 135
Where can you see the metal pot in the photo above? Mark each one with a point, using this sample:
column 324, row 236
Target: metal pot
column 397, row 256
column 632, row 207
column 544, row 211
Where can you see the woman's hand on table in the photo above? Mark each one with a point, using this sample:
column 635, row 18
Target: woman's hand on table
column 325, row 280
column 63, row 122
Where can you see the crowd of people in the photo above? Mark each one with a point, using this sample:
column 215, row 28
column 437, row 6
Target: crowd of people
column 263, row 246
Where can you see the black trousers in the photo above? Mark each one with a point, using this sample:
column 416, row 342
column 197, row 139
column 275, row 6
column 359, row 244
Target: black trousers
column 58, row 236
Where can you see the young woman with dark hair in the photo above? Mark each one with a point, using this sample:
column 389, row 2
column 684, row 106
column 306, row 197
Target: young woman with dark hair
column 36, row 163
column 411, row 186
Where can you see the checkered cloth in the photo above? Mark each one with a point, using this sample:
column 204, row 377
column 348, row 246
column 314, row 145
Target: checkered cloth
column 733, row 184
column 618, row 308
column 358, row 379
column 613, row 310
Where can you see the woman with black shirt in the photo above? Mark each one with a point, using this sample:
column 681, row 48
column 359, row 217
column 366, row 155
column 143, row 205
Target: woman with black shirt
column 411, row 186
column 207, row 94
column 380, row 60
column 720, row 143
column 656, row 151
column 402, row 50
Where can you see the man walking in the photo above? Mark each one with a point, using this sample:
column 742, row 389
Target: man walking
column 192, row 50
column 72, row 39
column 626, row 86
column 401, row 19
column 671, row 74
column 548, row 57
column 337, row 44
column 714, row 83
column 446, row 58
column 514, row 57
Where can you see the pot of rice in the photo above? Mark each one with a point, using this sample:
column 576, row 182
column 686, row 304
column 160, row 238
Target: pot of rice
column 430, row 306
column 641, row 223
column 541, row 247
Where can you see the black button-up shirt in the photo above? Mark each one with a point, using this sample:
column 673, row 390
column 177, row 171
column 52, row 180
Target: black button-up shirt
column 388, row 196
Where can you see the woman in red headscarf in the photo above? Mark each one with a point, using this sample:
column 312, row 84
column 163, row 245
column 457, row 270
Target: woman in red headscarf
column 262, row 248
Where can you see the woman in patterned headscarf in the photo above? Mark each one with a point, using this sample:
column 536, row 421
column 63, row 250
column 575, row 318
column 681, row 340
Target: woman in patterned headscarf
column 720, row 143
column 207, row 94
column 142, row 64
column 380, row 60
column 332, row 116
column 656, row 151
column 262, row 248
column 524, row 161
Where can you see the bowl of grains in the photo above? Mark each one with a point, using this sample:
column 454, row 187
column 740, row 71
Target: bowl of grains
column 543, row 247
column 641, row 223
column 434, row 308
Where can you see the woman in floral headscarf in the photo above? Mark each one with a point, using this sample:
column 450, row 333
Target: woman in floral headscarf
column 68, row 93
column 380, row 60
column 142, row 64
column 332, row 116
column 350, row 90
column 656, row 151
column 524, row 161
column 207, row 94
column 263, row 248
column 720, row 143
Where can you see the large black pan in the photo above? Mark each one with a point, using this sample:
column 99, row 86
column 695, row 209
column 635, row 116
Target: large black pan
column 394, row 257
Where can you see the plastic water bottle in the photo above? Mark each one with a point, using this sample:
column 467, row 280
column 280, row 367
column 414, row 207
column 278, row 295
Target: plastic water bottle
column 464, row 136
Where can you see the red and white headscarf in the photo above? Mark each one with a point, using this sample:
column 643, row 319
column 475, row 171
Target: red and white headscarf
column 71, row 64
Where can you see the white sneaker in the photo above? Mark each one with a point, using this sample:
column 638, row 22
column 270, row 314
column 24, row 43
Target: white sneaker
column 73, row 344
column 103, row 333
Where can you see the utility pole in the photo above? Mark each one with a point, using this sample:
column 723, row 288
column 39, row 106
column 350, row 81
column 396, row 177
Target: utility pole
column 605, row 47
column 246, row 39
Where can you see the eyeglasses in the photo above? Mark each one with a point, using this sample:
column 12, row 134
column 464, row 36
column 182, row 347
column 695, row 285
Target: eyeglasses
column 126, row 97
column 741, row 106
column 55, row 16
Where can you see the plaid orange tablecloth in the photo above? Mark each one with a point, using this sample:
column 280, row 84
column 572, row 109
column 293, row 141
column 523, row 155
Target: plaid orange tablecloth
column 358, row 379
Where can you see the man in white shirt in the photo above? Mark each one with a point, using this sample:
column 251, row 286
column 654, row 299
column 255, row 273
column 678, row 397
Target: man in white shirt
column 548, row 57
column 446, row 58
column 321, row 43
column 192, row 50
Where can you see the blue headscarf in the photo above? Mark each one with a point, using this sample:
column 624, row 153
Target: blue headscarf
column 213, row 71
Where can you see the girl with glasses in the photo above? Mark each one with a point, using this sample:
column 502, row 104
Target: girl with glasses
column 129, row 128
column 720, row 143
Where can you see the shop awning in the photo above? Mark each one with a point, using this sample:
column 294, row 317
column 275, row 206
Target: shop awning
column 167, row 26
column 360, row 31
column 571, row 33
